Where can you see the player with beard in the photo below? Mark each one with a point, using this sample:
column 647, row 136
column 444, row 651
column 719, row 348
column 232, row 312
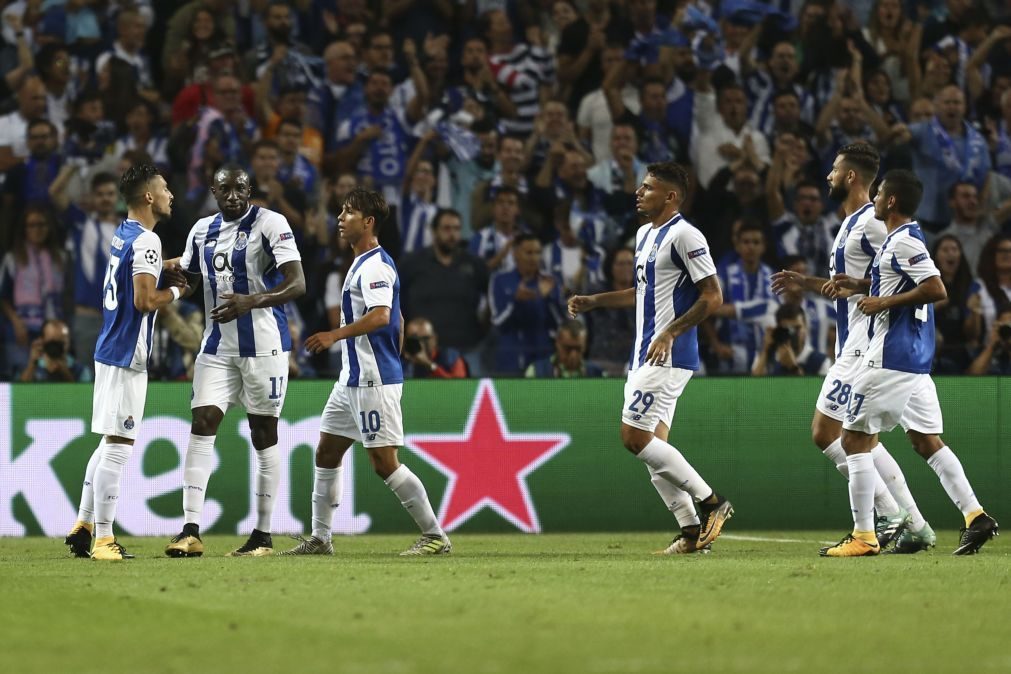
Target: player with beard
column 251, row 268
column 676, row 288
column 860, row 236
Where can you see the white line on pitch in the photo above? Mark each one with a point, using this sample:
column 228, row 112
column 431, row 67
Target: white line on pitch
column 761, row 539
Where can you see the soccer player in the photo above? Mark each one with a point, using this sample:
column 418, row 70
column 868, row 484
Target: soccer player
column 676, row 288
column 250, row 268
column 860, row 236
column 894, row 386
column 365, row 402
column 130, row 301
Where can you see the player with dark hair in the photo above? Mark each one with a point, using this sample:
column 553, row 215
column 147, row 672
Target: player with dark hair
column 364, row 405
column 860, row 236
column 893, row 385
column 130, row 302
column 251, row 268
column 675, row 289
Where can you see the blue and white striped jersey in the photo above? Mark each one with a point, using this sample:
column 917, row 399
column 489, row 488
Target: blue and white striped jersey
column 902, row 338
column 669, row 261
column 125, row 340
column 372, row 359
column 242, row 257
column 856, row 244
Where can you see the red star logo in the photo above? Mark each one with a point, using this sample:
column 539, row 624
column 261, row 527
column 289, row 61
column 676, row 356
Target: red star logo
column 487, row 465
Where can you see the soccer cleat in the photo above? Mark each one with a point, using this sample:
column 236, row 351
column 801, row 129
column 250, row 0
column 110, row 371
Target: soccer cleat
column 429, row 544
column 79, row 539
column 714, row 516
column 980, row 530
column 888, row 529
column 850, row 546
column 911, row 542
column 684, row 545
column 259, row 544
column 108, row 550
column 185, row 545
column 309, row 546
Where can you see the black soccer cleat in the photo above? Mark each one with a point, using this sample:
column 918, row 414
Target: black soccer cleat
column 259, row 544
column 79, row 540
column 979, row 531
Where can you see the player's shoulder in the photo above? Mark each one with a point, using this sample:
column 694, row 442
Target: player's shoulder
column 201, row 226
column 684, row 230
column 268, row 219
column 146, row 238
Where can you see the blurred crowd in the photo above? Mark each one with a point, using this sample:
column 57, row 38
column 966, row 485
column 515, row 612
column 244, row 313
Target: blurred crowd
column 509, row 137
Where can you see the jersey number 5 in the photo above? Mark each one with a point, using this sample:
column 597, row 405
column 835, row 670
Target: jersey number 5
column 111, row 293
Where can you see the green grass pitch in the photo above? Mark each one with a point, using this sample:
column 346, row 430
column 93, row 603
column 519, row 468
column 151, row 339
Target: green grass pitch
column 600, row 603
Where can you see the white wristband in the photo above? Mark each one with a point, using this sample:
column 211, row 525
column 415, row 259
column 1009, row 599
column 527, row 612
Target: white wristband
column 176, row 293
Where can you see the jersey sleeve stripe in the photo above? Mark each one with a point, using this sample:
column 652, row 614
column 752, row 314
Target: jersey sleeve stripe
column 271, row 279
column 214, row 338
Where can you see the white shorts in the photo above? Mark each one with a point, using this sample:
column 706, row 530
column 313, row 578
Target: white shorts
column 651, row 395
column 883, row 399
column 257, row 383
column 118, row 406
column 838, row 386
column 369, row 414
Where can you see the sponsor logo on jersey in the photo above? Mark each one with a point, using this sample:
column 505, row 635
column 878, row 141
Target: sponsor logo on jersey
column 286, row 236
column 241, row 241
column 128, row 424
column 379, row 284
column 918, row 258
column 696, row 253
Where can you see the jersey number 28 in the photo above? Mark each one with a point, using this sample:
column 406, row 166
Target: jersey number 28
column 111, row 292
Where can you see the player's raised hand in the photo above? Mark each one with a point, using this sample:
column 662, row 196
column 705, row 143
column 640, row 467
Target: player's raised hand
column 842, row 286
column 232, row 307
column 321, row 341
column 871, row 305
column 172, row 274
column 580, row 303
column 660, row 349
column 787, row 281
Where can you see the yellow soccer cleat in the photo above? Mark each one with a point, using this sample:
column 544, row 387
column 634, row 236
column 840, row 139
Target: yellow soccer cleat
column 108, row 550
column 184, row 545
column 853, row 546
column 259, row 544
column 79, row 539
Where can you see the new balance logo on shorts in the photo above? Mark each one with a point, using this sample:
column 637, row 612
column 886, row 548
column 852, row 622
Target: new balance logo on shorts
column 370, row 437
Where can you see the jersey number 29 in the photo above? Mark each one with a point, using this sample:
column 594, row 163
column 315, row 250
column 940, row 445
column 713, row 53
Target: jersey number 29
column 110, row 295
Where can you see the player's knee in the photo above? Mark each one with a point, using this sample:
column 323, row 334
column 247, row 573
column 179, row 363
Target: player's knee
column 383, row 463
column 634, row 440
column 925, row 445
column 823, row 437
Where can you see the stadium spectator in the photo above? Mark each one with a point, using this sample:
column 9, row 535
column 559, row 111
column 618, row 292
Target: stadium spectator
column 53, row 63
column 999, row 135
column 142, row 134
column 191, row 63
column 423, row 359
column 612, row 330
column 378, row 55
column 465, row 174
column 417, row 205
column 568, row 361
column 619, row 176
column 525, row 309
column 896, row 40
column 280, row 62
column 494, row 244
column 50, row 359
column 31, row 179
column 508, row 172
column 659, row 139
column 749, row 304
column 131, row 31
column 477, row 82
column 525, row 69
column 290, row 107
column 31, row 284
column 562, row 185
column 786, row 348
column 968, row 224
column 581, row 50
column 552, row 128
column 952, row 318
column 180, row 31
column 175, row 341
column 446, row 284
column 721, row 132
column 819, row 313
column 777, row 100
column 338, row 95
column 32, row 104
column 995, row 356
column 806, row 230
column 297, row 170
column 222, row 59
column 268, row 189
column 990, row 294
column 574, row 256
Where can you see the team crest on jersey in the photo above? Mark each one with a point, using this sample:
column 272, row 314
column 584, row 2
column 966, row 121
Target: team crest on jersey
column 128, row 424
column 241, row 241
column 652, row 252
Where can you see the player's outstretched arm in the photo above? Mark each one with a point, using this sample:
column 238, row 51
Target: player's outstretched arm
column 374, row 319
column 710, row 299
column 791, row 281
column 930, row 291
column 147, row 297
column 843, row 286
column 616, row 299
column 290, row 288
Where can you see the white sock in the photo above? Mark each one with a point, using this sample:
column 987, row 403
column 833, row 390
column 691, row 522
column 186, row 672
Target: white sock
column 862, row 477
column 678, row 501
column 327, row 488
column 268, row 477
column 414, row 498
column 107, row 474
column 949, row 469
column 884, row 503
column 196, row 473
column 669, row 464
column 890, row 472
column 86, row 511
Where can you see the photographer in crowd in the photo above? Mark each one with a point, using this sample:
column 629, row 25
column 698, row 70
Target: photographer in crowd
column 995, row 357
column 50, row 359
column 787, row 350
column 422, row 357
